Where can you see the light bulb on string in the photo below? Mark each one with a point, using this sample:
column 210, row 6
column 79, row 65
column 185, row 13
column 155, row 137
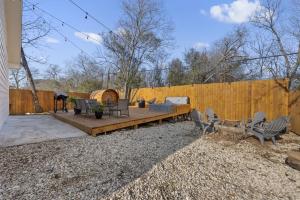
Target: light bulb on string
column 86, row 15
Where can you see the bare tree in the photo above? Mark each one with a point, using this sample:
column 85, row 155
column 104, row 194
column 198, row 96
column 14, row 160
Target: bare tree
column 53, row 72
column 176, row 74
column 283, row 39
column 17, row 77
column 198, row 64
column 84, row 74
column 33, row 30
column 225, row 57
column 143, row 31
column 156, row 77
column 37, row 106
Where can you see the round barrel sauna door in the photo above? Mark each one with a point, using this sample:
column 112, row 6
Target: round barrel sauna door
column 108, row 96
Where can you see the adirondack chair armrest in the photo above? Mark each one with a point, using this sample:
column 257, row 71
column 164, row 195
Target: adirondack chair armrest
column 257, row 130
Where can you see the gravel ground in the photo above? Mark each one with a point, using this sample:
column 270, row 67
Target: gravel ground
column 159, row 162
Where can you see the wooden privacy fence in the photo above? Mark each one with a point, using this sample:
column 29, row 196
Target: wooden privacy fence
column 231, row 101
column 20, row 101
column 294, row 110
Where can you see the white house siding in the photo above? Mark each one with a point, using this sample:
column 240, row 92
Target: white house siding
column 4, row 86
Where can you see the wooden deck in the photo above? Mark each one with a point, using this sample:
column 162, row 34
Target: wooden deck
column 138, row 116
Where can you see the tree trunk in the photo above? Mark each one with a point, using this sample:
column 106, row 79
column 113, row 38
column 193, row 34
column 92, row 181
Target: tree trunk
column 129, row 94
column 36, row 103
column 127, row 91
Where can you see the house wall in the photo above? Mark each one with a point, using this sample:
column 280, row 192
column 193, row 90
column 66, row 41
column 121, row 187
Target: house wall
column 4, row 86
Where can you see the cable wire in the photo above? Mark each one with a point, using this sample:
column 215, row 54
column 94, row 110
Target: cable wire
column 91, row 16
column 61, row 21
column 87, row 14
column 62, row 35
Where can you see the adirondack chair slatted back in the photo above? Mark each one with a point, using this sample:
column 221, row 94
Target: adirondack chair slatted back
column 258, row 119
column 276, row 126
column 211, row 116
column 197, row 117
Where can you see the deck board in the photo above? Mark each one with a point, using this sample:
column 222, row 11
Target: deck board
column 94, row 126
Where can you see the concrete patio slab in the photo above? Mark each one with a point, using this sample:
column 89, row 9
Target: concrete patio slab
column 35, row 128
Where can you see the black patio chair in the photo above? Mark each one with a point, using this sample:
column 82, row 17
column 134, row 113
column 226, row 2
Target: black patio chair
column 91, row 106
column 122, row 107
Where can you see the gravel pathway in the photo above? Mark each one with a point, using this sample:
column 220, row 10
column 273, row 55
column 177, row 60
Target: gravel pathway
column 159, row 162
column 86, row 167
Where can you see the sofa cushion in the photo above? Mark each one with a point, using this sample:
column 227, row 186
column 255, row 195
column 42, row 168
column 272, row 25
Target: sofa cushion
column 177, row 100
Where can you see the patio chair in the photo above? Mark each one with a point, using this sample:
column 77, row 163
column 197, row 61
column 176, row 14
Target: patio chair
column 77, row 106
column 271, row 130
column 197, row 117
column 211, row 116
column 122, row 107
column 83, row 106
column 91, row 106
column 257, row 121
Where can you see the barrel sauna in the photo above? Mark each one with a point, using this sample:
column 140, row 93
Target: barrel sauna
column 105, row 96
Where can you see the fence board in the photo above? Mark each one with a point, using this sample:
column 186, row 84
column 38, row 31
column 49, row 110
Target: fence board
column 294, row 111
column 20, row 101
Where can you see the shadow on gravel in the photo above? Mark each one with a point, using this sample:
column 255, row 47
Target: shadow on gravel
column 87, row 167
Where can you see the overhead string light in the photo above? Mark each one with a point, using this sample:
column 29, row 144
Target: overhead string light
column 63, row 23
column 62, row 35
column 66, row 39
column 87, row 14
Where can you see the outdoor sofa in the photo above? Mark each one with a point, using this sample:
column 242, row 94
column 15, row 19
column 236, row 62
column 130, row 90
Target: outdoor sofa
column 170, row 104
column 179, row 106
